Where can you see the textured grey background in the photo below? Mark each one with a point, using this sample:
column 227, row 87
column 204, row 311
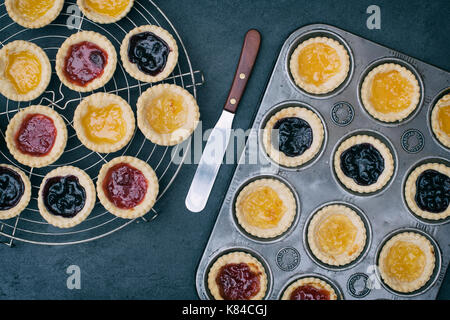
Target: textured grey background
column 158, row 260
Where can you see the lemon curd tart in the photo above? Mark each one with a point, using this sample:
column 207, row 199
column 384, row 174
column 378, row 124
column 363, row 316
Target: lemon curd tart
column 265, row 208
column 104, row 122
column 167, row 114
column 319, row 65
column 390, row 92
column 34, row 13
column 440, row 120
column 406, row 262
column 336, row 235
column 105, row 11
column 25, row 71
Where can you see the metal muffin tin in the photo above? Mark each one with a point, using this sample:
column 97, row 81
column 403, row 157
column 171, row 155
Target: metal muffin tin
column 287, row 257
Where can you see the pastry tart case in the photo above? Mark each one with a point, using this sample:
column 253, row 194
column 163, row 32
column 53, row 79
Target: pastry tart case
column 383, row 211
column 29, row 226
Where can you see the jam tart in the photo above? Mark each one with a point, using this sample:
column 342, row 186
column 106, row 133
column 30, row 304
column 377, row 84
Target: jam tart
column 66, row 197
column 104, row 122
column 34, row 13
column 336, row 235
column 237, row 276
column 390, row 92
column 15, row 191
column 86, row 61
column 440, row 120
column 319, row 65
column 127, row 187
column 36, row 136
column 309, row 288
column 167, row 114
column 406, row 262
column 427, row 191
column 265, row 208
column 363, row 164
column 105, row 11
column 25, row 71
column 293, row 136
column 149, row 53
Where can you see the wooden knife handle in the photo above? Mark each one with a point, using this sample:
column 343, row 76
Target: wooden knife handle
column 247, row 60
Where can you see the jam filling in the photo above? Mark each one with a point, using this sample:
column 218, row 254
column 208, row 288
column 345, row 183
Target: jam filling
column 84, row 63
column 433, row 191
column 309, row 292
column 237, row 282
column 295, row 136
column 36, row 135
column 64, row 196
column 363, row 163
column 125, row 186
column 148, row 52
column 11, row 188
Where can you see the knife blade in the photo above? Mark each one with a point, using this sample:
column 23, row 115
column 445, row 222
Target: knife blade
column 217, row 143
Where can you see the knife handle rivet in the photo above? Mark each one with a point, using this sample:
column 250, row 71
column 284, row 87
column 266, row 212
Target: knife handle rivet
column 233, row 101
column 242, row 76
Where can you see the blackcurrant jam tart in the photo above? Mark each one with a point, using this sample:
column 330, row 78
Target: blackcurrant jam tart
column 406, row 262
column 237, row 276
column 25, row 71
column 66, row 197
column 440, row 120
column 319, row 65
column 105, row 11
column 427, row 191
column 15, row 191
column 309, row 288
column 127, row 187
column 293, row 136
column 265, row 208
column 149, row 53
column 363, row 164
column 167, row 114
column 34, row 13
column 86, row 61
column 104, row 122
column 336, row 235
column 390, row 92
column 36, row 136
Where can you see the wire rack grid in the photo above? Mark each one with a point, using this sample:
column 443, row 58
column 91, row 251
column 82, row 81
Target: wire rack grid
column 29, row 226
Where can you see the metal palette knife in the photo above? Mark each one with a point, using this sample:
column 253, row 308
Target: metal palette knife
column 216, row 146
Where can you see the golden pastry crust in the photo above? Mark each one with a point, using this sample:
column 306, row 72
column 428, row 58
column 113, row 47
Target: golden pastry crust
column 393, row 116
column 354, row 249
column 58, row 147
column 152, row 188
column 332, row 83
column 132, row 68
column 440, row 134
column 24, row 200
column 98, row 17
column 383, row 179
column 318, row 136
column 100, row 100
column 97, row 39
column 6, row 87
column 425, row 246
column 180, row 134
column 312, row 281
column 410, row 191
column 285, row 195
column 237, row 257
column 46, row 19
column 86, row 183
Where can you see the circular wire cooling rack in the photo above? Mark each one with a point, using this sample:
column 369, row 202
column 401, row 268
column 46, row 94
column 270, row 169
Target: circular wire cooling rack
column 30, row 226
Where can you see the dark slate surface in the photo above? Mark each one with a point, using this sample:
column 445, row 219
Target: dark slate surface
column 158, row 260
